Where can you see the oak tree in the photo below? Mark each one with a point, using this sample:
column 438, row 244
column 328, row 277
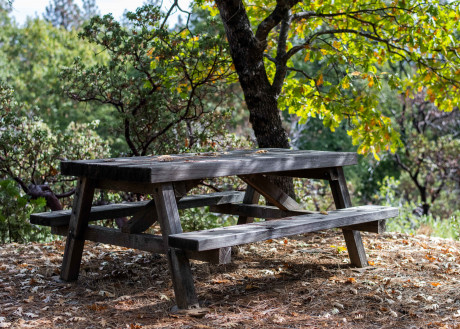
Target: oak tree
column 276, row 47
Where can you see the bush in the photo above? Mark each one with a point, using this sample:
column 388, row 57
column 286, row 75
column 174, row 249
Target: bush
column 15, row 209
column 409, row 221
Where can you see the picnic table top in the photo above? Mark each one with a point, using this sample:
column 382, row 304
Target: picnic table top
column 188, row 166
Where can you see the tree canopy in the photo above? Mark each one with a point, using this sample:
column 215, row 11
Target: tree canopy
column 328, row 59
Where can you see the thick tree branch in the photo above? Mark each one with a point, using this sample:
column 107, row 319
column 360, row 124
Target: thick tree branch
column 278, row 14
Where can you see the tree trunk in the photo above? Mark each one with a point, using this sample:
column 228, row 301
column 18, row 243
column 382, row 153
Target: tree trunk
column 247, row 56
column 260, row 97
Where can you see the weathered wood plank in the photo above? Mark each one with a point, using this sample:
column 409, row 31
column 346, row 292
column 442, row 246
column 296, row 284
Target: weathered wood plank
column 145, row 242
column 378, row 227
column 142, row 219
column 340, row 191
column 271, row 192
column 182, row 188
column 179, row 266
column 239, row 234
column 146, row 216
column 257, row 211
column 316, row 173
column 125, row 186
column 355, row 247
column 251, row 196
column 193, row 166
column 61, row 217
column 77, row 227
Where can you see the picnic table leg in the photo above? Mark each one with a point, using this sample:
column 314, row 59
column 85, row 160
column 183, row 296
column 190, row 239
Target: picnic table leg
column 353, row 239
column 77, row 226
column 179, row 265
column 251, row 196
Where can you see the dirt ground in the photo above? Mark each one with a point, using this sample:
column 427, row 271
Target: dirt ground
column 301, row 282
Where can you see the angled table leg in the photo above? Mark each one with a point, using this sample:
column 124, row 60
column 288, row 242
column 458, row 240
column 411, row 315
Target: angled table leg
column 353, row 239
column 179, row 265
column 77, row 226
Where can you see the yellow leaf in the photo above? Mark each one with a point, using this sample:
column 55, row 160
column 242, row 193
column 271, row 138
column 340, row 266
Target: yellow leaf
column 320, row 80
column 307, row 57
column 435, row 284
column 371, row 81
column 427, row 77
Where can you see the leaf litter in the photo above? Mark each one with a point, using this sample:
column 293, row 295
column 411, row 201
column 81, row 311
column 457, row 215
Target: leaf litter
column 413, row 282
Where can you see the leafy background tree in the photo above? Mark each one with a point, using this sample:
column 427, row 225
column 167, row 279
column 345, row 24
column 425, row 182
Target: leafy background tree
column 164, row 105
column 326, row 76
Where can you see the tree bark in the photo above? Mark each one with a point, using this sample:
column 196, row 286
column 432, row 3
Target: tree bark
column 44, row 191
column 247, row 56
column 261, row 98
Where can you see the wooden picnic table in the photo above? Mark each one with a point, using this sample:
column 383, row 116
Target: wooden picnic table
column 169, row 178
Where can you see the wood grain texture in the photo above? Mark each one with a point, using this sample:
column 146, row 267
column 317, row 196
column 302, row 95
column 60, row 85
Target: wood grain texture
column 271, row 192
column 240, row 234
column 340, row 190
column 125, row 185
column 355, row 247
column 77, row 227
column 316, row 173
column 145, row 242
column 142, row 219
column 179, row 266
column 378, row 227
column 147, row 216
column 257, row 211
column 198, row 166
column 62, row 217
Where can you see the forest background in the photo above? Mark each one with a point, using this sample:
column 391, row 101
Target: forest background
column 75, row 85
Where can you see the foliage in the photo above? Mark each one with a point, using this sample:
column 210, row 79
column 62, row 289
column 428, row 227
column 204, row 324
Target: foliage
column 201, row 219
column 31, row 58
column 323, row 58
column 409, row 221
column 429, row 156
column 15, row 209
column 165, row 86
column 30, row 151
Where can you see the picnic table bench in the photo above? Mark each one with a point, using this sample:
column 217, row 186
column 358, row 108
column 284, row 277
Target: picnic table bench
column 169, row 178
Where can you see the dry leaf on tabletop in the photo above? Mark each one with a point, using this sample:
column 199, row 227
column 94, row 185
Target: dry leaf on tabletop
column 165, row 158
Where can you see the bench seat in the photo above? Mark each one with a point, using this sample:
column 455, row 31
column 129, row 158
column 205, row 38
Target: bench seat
column 247, row 233
column 111, row 211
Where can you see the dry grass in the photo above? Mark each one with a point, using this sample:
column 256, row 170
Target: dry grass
column 304, row 282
